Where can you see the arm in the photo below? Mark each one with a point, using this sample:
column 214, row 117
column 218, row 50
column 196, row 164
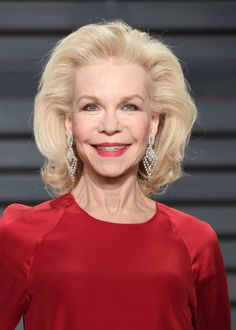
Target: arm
column 213, row 307
column 13, row 293
column 13, row 302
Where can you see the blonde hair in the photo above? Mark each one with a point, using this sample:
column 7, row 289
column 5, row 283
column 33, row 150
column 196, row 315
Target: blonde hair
column 169, row 96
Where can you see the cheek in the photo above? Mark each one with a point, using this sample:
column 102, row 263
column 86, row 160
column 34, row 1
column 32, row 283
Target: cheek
column 82, row 129
column 141, row 128
column 82, row 133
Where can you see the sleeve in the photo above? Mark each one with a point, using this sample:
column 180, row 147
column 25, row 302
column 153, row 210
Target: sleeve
column 213, row 306
column 13, row 290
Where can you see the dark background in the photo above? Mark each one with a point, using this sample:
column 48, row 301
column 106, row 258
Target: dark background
column 201, row 33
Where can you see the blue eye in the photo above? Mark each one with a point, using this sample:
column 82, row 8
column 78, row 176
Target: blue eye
column 131, row 107
column 90, row 107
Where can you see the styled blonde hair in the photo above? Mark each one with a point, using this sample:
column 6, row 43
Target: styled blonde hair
column 168, row 93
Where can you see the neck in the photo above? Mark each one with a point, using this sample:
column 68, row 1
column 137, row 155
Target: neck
column 111, row 195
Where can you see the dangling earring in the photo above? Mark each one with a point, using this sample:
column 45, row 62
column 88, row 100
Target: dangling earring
column 150, row 157
column 71, row 160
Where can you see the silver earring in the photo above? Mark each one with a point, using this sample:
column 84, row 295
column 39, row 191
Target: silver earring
column 150, row 158
column 71, row 160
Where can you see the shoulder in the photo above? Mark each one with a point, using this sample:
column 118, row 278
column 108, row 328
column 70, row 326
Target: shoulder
column 16, row 214
column 197, row 235
column 20, row 217
column 186, row 223
column 22, row 227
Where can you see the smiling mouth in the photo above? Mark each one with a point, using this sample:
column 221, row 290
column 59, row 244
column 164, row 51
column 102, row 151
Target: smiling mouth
column 111, row 151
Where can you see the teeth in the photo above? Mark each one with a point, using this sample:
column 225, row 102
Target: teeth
column 111, row 148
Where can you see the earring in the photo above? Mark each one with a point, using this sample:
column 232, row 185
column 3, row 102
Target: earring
column 71, row 160
column 150, row 157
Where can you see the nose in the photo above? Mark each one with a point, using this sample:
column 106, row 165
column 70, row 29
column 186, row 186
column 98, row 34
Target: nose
column 110, row 123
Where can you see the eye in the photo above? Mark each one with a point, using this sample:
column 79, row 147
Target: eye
column 90, row 107
column 131, row 107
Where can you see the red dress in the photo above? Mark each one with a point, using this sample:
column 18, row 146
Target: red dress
column 63, row 269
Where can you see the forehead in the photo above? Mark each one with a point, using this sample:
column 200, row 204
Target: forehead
column 111, row 77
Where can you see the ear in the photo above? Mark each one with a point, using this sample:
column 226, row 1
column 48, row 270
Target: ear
column 68, row 122
column 154, row 123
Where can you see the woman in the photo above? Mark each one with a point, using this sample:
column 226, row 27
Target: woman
column 112, row 117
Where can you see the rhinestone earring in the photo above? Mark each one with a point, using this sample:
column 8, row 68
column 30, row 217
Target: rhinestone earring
column 71, row 160
column 150, row 157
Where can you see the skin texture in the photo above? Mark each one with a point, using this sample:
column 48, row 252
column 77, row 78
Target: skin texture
column 108, row 188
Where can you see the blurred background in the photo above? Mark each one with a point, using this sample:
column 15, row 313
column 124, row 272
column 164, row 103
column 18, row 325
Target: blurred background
column 201, row 33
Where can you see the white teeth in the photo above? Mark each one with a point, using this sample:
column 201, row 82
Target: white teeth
column 111, row 148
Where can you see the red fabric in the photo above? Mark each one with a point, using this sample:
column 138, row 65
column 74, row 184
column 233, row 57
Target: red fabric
column 65, row 270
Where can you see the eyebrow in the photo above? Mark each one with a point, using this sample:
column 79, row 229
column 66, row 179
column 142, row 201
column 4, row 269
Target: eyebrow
column 123, row 99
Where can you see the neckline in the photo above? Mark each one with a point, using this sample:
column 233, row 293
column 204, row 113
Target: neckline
column 93, row 219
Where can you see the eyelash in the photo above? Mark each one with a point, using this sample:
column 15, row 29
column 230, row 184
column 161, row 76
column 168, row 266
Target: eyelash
column 135, row 107
column 87, row 105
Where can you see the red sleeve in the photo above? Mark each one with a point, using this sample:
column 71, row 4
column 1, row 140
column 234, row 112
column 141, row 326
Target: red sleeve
column 22, row 229
column 13, row 292
column 213, row 307
column 212, row 310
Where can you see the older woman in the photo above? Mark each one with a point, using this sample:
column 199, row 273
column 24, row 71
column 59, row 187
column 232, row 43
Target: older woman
column 112, row 117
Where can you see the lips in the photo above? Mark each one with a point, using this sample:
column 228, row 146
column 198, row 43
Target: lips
column 111, row 151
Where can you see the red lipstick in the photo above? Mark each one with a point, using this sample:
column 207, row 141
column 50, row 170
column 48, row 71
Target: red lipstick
column 111, row 153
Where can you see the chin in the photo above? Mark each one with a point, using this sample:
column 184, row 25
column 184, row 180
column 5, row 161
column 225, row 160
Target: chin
column 111, row 175
column 114, row 174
